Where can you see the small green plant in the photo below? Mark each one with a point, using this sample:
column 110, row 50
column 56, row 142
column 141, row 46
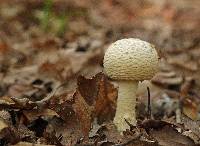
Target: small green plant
column 51, row 22
column 62, row 25
column 47, row 11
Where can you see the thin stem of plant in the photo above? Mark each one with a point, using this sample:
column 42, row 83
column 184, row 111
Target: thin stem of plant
column 149, row 104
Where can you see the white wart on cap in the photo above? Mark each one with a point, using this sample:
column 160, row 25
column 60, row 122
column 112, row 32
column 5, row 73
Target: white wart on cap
column 131, row 59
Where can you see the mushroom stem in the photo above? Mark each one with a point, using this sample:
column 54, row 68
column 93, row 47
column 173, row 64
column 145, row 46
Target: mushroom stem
column 126, row 103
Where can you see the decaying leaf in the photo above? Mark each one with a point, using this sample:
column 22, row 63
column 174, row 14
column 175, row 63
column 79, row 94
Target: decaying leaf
column 15, row 103
column 83, row 112
column 8, row 132
column 3, row 125
column 186, row 86
column 99, row 93
column 166, row 133
column 190, row 108
column 30, row 144
column 169, row 136
column 32, row 115
column 192, row 128
column 167, row 79
column 52, row 139
column 5, row 115
column 97, row 97
column 183, row 62
column 25, row 133
column 94, row 97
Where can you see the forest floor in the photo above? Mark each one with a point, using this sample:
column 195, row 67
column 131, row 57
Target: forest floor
column 52, row 87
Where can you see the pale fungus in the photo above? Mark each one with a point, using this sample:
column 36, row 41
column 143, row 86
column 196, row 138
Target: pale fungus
column 128, row 61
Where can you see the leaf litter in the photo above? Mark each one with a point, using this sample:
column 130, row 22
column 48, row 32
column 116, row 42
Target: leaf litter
column 53, row 90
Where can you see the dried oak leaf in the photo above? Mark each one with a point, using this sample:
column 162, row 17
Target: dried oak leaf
column 94, row 97
column 167, row 79
column 60, row 69
column 23, row 103
column 109, row 136
column 16, row 103
column 169, row 136
column 62, row 105
column 99, row 93
column 190, row 107
column 165, row 133
column 25, row 133
column 189, row 103
column 30, row 144
column 8, row 132
column 184, row 62
column 6, row 116
column 110, row 133
column 52, row 139
column 192, row 127
column 83, row 112
column 4, row 48
column 70, row 126
column 32, row 115
column 67, row 132
column 186, row 86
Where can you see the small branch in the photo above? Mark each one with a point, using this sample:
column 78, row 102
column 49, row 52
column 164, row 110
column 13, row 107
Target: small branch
column 45, row 100
column 179, row 111
column 149, row 104
column 130, row 125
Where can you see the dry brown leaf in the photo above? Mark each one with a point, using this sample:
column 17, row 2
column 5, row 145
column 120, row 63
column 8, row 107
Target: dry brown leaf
column 192, row 135
column 3, row 125
column 166, row 79
column 106, row 99
column 101, row 94
column 185, row 63
column 186, row 86
column 6, row 102
column 190, row 108
column 30, row 144
column 17, row 90
column 165, row 133
column 52, row 139
column 110, row 131
column 62, row 105
column 69, row 131
column 46, row 44
column 169, row 136
column 6, row 116
column 32, row 115
column 136, row 137
column 114, row 13
column 92, row 97
column 70, row 125
column 25, row 133
column 20, row 103
column 3, row 48
column 8, row 132
column 192, row 125
column 60, row 69
column 83, row 112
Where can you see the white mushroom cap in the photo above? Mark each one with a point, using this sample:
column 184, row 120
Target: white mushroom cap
column 131, row 59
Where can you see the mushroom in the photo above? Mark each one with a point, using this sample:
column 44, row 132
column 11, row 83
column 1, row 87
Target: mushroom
column 128, row 61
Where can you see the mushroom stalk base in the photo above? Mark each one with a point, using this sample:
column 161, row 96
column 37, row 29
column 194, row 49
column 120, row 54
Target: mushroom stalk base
column 126, row 103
